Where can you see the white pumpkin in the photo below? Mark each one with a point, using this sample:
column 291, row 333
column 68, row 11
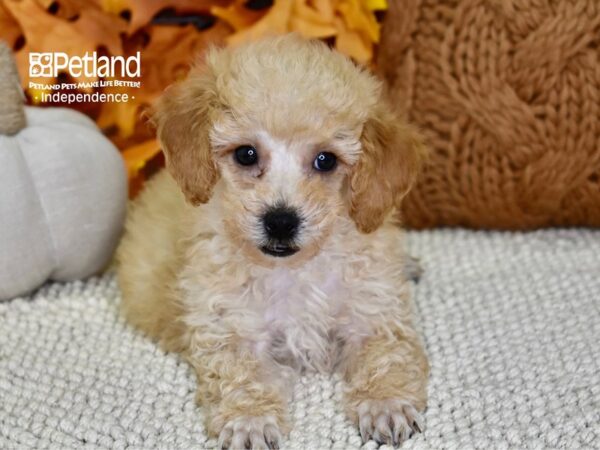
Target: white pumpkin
column 63, row 192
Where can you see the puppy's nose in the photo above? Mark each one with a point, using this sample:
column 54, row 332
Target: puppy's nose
column 281, row 223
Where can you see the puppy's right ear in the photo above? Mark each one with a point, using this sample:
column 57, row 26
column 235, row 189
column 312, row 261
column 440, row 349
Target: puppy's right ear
column 182, row 116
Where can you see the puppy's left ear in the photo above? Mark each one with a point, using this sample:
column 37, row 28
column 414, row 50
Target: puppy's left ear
column 392, row 154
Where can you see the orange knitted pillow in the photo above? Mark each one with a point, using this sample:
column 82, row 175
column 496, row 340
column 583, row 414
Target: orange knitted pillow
column 508, row 94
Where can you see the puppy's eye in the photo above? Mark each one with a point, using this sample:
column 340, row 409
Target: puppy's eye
column 325, row 162
column 246, row 155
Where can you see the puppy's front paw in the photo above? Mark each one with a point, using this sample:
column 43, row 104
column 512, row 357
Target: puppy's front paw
column 248, row 432
column 390, row 421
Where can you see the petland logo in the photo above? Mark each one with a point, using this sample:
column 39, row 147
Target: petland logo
column 89, row 65
column 104, row 83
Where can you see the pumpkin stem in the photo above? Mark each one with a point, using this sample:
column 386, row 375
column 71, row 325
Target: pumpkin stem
column 12, row 111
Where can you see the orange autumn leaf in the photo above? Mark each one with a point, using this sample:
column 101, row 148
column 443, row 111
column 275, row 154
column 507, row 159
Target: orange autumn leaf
column 309, row 23
column 279, row 19
column 325, row 8
column 358, row 18
column 352, row 22
column 307, row 13
column 276, row 21
column 136, row 156
column 46, row 33
column 9, row 27
column 123, row 115
column 311, row 29
column 375, row 5
column 115, row 7
column 237, row 15
column 142, row 11
column 68, row 9
column 353, row 44
column 183, row 45
column 103, row 29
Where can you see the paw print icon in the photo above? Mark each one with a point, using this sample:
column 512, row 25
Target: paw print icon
column 40, row 65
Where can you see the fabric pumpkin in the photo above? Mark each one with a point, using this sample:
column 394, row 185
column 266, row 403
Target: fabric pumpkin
column 63, row 192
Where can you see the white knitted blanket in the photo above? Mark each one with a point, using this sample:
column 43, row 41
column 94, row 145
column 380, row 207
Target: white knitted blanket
column 511, row 322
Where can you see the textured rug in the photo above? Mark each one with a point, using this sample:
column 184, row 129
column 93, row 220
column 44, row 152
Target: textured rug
column 511, row 322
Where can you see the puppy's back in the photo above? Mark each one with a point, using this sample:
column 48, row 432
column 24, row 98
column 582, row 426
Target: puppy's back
column 149, row 256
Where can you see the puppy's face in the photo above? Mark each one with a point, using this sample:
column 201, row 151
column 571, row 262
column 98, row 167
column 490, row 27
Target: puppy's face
column 282, row 193
column 294, row 137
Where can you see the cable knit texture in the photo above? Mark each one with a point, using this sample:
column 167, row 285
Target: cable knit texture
column 511, row 323
column 508, row 94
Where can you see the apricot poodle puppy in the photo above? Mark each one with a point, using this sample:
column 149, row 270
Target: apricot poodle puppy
column 269, row 248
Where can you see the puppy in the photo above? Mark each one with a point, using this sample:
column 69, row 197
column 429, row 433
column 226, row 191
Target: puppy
column 269, row 248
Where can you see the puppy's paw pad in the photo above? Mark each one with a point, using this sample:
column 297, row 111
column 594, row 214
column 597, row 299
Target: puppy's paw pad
column 249, row 432
column 390, row 421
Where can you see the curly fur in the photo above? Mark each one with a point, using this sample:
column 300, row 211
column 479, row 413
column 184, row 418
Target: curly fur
column 191, row 271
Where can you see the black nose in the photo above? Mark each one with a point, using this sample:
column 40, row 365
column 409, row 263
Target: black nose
column 281, row 223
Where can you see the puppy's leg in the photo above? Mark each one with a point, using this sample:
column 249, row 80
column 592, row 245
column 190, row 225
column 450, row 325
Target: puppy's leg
column 387, row 386
column 245, row 398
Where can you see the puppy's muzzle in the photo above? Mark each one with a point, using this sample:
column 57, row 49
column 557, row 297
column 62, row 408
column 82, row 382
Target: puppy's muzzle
column 281, row 224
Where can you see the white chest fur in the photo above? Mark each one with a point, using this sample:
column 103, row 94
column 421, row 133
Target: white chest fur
column 300, row 312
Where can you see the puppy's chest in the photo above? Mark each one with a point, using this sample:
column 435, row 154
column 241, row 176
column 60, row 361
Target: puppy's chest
column 305, row 318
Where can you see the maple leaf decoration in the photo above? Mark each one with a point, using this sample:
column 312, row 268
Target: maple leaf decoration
column 169, row 34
